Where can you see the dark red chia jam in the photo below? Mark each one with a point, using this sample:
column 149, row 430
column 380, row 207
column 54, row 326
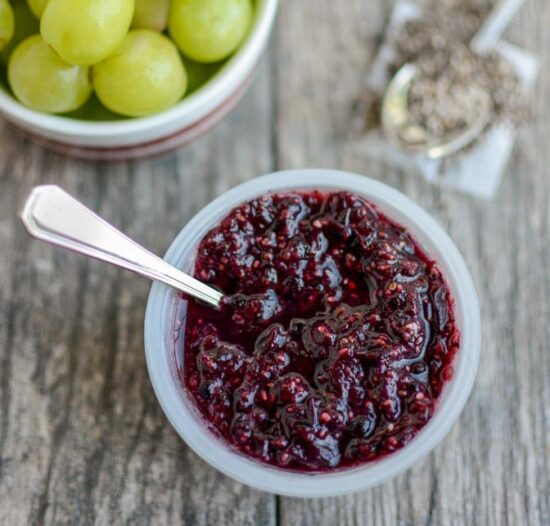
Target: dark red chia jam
column 336, row 338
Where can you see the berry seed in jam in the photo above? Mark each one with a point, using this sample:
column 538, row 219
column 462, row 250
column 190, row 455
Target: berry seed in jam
column 336, row 338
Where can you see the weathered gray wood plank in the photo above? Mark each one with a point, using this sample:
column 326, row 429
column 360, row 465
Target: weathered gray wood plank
column 82, row 437
column 493, row 468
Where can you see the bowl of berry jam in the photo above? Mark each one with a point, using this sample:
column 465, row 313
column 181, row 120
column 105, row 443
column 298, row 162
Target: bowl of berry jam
column 345, row 348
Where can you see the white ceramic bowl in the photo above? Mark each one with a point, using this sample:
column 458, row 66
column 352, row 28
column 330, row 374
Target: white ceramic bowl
column 156, row 134
column 160, row 345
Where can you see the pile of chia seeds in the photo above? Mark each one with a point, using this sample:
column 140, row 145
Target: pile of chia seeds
column 454, row 83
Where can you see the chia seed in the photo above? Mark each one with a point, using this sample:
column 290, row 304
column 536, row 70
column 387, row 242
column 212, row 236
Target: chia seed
column 454, row 84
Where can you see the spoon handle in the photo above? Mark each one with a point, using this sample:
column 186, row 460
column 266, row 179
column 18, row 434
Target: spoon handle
column 495, row 24
column 52, row 215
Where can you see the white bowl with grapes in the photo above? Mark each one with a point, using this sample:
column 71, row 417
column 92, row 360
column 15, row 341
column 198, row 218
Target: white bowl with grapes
column 117, row 79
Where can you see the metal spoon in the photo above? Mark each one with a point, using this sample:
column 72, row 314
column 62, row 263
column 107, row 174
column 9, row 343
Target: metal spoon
column 411, row 136
column 52, row 215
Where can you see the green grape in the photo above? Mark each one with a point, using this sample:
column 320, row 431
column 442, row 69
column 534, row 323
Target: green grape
column 37, row 7
column 6, row 23
column 43, row 81
column 86, row 31
column 151, row 14
column 25, row 25
column 144, row 76
column 209, row 30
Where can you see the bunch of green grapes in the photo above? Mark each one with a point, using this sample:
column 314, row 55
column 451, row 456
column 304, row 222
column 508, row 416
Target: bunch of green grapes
column 139, row 57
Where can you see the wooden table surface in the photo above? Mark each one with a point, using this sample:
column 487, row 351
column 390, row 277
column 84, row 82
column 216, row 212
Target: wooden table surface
column 82, row 437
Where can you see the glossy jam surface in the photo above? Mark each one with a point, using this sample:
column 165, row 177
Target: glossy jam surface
column 335, row 341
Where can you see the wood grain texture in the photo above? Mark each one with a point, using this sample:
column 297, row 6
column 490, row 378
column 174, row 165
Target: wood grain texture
column 82, row 437
column 493, row 468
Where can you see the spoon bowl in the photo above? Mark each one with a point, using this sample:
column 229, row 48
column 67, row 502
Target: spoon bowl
column 400, row 128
